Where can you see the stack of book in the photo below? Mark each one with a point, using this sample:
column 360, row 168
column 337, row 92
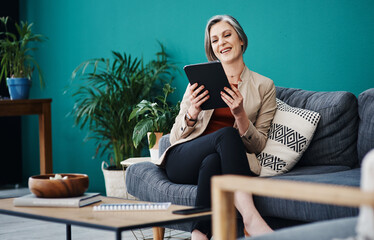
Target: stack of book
column 31, row 200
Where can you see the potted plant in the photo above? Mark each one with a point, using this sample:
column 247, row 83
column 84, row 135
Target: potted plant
column 17, row 64
column 107, row 92
column 154, row 119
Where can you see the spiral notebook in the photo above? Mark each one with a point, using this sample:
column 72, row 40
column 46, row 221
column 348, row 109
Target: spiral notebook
column 132, row 206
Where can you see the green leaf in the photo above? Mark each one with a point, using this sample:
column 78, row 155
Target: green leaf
column 140, row 130
column 133, row 114
column 152, row 140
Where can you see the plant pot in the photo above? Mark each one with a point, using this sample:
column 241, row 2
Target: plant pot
column 19, row 88
column 154, row 150
column 115, row 184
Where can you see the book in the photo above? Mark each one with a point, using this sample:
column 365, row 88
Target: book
column 31, row 200
column 132, row 206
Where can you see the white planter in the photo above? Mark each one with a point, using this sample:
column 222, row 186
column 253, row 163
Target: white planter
column 115, row 185
column 154, row 154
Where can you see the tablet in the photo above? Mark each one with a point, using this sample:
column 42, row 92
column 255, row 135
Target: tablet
column 193, row 210
column 213, row 77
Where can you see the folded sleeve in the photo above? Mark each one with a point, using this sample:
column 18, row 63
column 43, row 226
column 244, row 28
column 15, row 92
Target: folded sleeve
column 256, row 135
column 180, row 128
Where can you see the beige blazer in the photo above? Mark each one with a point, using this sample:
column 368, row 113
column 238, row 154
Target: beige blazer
column 259, row 104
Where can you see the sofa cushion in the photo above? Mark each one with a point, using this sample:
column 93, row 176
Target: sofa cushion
column 289, row 136
column 366, row 127
column 335, row 139
column 307, row 211
column 310, row 170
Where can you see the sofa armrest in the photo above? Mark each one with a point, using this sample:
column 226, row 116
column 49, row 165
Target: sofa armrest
column 223, row 188
column 163, row 144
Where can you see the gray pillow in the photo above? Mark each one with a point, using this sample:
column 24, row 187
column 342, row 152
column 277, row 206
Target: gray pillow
column 335, row 139
column 366, row 128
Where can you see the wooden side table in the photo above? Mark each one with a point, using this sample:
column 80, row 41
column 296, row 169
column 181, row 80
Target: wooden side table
column 41, row 107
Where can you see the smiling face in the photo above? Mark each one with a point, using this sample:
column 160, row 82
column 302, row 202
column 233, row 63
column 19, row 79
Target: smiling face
column 225, row 42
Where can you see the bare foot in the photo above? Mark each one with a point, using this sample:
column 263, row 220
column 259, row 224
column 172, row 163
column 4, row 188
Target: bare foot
column 257, row 226
column 253, row 222
column 197, row 235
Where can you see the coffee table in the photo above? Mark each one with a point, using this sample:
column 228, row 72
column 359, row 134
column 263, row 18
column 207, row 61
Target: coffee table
column 117, row 221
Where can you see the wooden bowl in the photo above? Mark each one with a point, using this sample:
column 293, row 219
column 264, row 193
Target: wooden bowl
column 74, row 185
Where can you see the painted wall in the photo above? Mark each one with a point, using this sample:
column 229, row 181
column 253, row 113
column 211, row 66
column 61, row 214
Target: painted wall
column 323, row 45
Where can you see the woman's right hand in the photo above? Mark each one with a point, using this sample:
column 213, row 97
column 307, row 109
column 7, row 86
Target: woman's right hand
column 196, row 99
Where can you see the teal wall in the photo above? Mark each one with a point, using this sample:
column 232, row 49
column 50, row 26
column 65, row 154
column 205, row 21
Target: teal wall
column 323, row 45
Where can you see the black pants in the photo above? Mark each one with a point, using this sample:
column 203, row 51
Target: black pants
column 196, row 161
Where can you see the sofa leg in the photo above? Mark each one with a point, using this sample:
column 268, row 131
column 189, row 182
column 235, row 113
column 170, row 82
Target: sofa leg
column 158, row 233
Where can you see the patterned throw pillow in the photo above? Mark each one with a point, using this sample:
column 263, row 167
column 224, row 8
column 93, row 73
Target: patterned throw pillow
column 289, row 136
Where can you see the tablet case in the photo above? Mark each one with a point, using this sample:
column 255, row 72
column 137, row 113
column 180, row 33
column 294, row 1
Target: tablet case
column 213, row 77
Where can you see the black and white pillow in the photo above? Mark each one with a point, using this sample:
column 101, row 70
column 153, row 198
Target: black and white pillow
column 289, row 136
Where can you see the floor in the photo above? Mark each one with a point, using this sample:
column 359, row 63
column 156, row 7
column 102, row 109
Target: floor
column 12, row 228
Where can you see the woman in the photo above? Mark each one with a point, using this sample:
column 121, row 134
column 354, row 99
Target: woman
column 223, row 141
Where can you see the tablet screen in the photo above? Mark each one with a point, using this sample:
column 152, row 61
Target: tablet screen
column 213, row 77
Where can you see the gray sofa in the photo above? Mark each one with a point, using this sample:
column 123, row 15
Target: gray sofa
column 344, row 135
column 324, row 230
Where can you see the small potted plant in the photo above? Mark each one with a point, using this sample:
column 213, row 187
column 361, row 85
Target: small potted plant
column 16, row 62
column 154, row 119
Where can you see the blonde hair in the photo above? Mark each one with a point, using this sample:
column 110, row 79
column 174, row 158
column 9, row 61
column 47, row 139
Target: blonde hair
column 230, row 20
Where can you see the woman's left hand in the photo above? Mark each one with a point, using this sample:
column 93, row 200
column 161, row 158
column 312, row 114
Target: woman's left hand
column 234, row 99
